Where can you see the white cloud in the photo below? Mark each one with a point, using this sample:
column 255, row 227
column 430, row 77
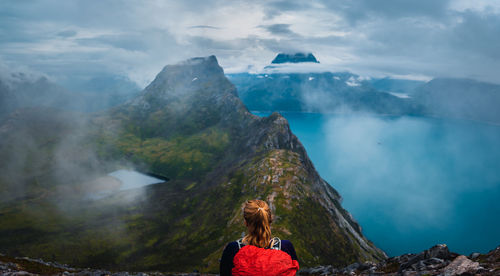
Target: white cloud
column 477, row 5
column 137, row 38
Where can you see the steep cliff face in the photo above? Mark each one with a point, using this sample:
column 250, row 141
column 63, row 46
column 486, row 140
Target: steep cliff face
column 190, row 126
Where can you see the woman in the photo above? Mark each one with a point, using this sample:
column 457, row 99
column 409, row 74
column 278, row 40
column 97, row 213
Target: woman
column 257, row 253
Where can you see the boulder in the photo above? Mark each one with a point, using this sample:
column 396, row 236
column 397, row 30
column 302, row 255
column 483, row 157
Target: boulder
column 474, row 255
column 439, row 251
column 428, row 259
column 461, row 265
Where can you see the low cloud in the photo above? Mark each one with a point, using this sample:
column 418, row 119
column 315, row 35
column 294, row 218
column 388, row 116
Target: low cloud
column 204, row 27
column 279, row 29
column 67, row 33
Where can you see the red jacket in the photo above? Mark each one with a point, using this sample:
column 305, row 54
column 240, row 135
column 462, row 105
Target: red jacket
column 252, row 260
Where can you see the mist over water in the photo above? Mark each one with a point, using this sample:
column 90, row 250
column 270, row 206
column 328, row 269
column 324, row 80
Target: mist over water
column 411, row 182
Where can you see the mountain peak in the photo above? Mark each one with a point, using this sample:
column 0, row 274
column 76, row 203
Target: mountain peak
column 196, row 88
column 294, row 58
column 194, row 67
column 203, row 61
column 189, row 77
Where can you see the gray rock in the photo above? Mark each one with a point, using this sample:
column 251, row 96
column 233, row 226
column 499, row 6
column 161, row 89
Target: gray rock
column 433, row 261
column 319, row 270
column 350, row 268
column 440, row 251
column 411, row 262
column 18, row 273
column 475, row 255
column 419, row 266
column 461, row 265
column 366, row 266
column 434, row 256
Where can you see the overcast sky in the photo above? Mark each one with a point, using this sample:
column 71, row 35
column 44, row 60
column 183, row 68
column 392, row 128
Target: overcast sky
column 136, row 38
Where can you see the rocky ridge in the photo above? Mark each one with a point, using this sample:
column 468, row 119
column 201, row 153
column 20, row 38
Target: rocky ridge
column 437, row 260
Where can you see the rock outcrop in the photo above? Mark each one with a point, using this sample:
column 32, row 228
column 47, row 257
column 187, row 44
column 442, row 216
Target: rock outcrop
column 437, row 260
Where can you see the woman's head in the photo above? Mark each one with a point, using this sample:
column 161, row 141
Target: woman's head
column 258, row 220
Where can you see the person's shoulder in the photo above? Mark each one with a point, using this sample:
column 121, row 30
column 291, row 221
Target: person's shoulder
column 287, row 246
column 231, row 249
column 286, row 242
column 232, row 245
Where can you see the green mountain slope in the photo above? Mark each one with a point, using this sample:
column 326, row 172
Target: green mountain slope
column 189, row 126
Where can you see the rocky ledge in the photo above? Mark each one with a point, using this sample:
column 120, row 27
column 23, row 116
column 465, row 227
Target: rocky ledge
column 27, row 266
column 437, row 260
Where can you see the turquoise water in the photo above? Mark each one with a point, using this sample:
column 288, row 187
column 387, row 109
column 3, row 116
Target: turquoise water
column 411, row 182
column 127, row 180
